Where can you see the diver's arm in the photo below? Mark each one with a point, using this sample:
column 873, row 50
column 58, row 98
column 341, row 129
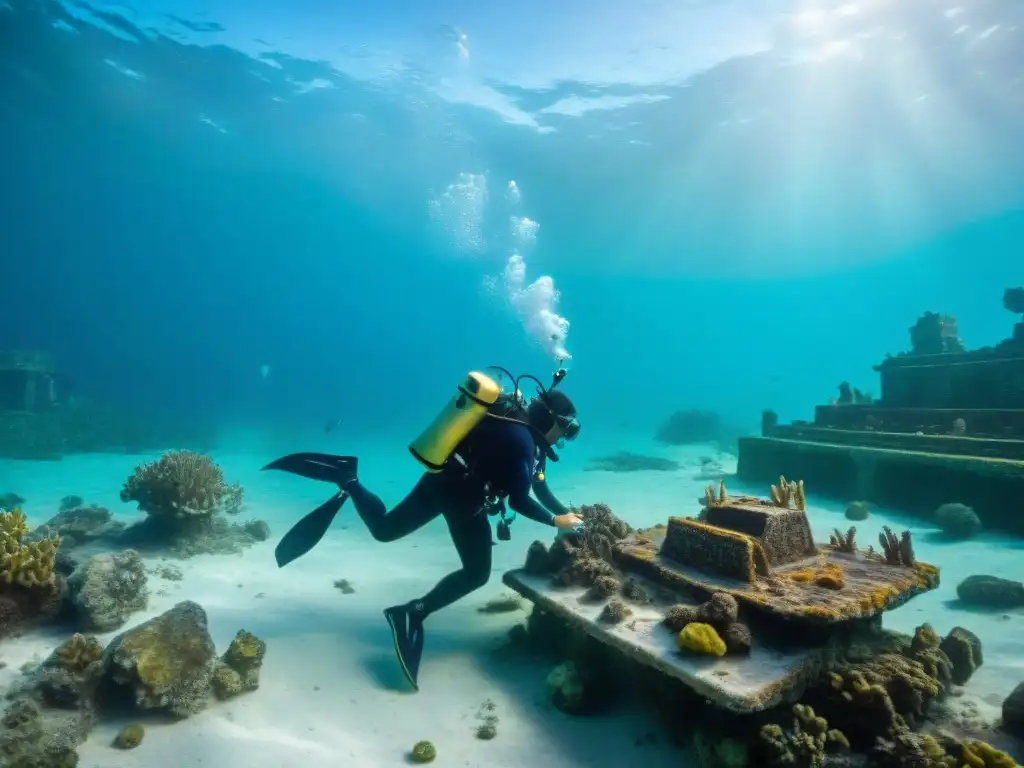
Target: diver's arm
column 524, row 504
column 521, row 501
column 543, row 493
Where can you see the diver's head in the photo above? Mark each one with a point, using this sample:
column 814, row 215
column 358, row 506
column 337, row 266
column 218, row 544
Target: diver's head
column 553, row 415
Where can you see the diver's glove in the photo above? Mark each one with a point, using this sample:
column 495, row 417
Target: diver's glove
column 568, row 523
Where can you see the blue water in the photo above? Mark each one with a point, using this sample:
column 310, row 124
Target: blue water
column 265, row 218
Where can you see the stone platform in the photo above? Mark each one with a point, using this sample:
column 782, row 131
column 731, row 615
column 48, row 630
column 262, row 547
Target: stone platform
column 871, row 586
column 742, row 684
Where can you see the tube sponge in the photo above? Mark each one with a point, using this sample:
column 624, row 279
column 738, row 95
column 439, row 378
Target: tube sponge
column 29, row 565
column 701, row 638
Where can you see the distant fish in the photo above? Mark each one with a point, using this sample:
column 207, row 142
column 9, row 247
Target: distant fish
column 264, row 371
column 331, row 425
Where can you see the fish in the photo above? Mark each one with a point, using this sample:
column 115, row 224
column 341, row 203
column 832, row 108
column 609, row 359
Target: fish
column 333, row 424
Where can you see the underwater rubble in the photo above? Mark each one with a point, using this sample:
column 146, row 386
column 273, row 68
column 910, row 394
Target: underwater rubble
column 758, row 645
column 167, row 665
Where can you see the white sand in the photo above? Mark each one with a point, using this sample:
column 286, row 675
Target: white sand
column 331, row 692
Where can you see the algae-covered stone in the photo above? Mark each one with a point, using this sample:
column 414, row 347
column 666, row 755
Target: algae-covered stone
column 423, row 752
column 107, row 589
column 130, row 736
column 167, row 663
column 963, row 648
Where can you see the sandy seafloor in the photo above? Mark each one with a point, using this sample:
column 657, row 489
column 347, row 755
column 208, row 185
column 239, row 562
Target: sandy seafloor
column 331, row 693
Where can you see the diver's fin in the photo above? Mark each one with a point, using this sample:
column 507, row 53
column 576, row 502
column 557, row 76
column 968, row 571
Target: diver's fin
column 407, row 633
column 306, row 533
column 318, row 466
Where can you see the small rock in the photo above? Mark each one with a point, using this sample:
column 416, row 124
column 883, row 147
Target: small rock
column 857, row 511
column 963, row 648
column 107, row 589
column 1013, row 712
column 130, row 737
column 958, row 521
column 991, row 592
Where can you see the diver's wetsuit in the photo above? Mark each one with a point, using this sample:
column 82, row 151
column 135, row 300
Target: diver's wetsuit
column 501, row 457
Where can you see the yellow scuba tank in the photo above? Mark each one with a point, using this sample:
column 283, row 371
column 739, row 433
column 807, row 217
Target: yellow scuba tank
column 463, row 412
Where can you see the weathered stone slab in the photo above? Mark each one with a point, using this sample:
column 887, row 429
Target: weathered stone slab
column 743, row 684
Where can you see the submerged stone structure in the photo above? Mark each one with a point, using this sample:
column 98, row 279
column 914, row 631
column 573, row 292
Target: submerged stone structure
column 948, row 427
column 738, row 603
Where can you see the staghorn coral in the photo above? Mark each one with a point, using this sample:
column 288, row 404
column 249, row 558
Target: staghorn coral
column 28, row 565
column 181, row 484
column 804, row 745
column 897, row 551
column 788, row 495
column 844, row 542
column 701, row 639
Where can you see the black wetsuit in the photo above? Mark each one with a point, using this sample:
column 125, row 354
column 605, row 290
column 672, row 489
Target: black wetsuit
column 501, row 458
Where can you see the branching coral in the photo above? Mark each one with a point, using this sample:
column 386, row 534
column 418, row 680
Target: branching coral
column 897, row 551
column 711, row 498
column 29, row 565
column 804, row 745
column 788, row 495
column 181, row 484
column 844, row 542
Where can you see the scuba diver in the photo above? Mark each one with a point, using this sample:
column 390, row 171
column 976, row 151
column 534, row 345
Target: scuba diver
column 484, row 448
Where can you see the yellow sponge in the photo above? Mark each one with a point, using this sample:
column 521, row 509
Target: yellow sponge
column 701, row 638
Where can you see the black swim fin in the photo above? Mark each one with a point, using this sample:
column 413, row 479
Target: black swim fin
column 318, row 466
column 407, row 633
column 306, row 533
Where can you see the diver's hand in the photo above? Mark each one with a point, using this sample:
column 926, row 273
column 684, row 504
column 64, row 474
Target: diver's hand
column 568, row 522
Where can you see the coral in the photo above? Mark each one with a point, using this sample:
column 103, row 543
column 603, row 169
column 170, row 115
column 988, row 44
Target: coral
column 344, row 586
column 957, row 521
column 615, row 612
column 165, row 663
column 844, row 542
column 804, row 745
column 678, row 616
column 959, row 428
column 633, row 591
column 107, row 589
column 711, row 498
column 602, row 588
column 129, row 737
column 788, row 495
column 28, row 565
column 857, row 511
column 181, row 484
column 581, row 558
column 701, row 639
column 486, row 731
column 906, row 748
column 963, row 649
column 244, row 657
column 423, row 752
column 897, row 551
column 78, row 525
column 76, row 653
column 10, row 500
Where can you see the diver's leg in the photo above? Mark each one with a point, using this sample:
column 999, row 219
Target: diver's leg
column 413, row 512
column 471, row 534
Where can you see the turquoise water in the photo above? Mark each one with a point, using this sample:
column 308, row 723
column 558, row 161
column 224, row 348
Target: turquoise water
column 260, row 221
